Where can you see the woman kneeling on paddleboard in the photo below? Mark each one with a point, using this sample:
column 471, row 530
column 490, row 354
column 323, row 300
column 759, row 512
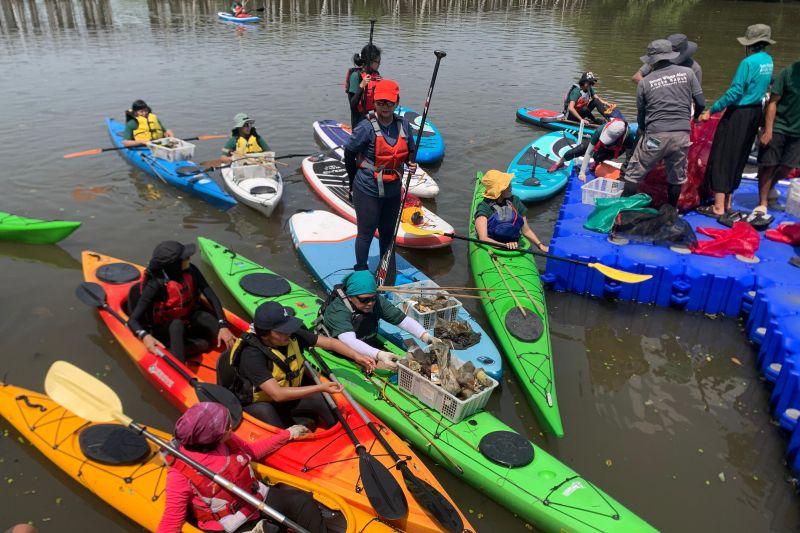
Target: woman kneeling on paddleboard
column 500, row 218
column 352, row 314
column 166, row 308
column 204, row 433
column 142, row 126
column 374, row 156
column 265, row 369
column 244, row 139
column 608, row 142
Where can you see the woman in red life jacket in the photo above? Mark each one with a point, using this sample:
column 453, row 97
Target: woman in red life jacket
column 360, row 81
column 204, row 434
column 374, row 156
column 165, row 308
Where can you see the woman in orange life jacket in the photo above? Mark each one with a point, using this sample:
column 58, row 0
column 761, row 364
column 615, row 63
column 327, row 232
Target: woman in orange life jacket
column 360, row 83
column 166, row 308
column 374, row 156
column 204, row 433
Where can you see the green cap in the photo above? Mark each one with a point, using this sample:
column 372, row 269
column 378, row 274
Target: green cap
column 241, row 119
column 360, row 282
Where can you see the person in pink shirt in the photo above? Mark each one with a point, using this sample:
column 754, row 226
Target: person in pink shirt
column 204, row 433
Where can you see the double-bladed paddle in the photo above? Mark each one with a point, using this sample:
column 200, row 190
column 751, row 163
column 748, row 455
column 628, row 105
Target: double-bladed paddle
column 191, row 170
column 95, row 151
column 90, row 398
column 93, row 294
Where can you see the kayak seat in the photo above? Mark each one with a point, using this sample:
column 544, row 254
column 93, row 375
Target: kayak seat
column 118, row 273
column 263, row 189
column 266, row 285
column 113, row 444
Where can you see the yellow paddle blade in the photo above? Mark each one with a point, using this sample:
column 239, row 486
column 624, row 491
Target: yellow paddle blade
column 83, row 394
column 619, row 275
column 414, row 230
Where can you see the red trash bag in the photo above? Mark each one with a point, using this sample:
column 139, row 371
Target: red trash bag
column 787, row 232
column 742, row 239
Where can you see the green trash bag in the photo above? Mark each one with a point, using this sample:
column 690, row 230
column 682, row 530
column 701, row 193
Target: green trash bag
column 606, row 210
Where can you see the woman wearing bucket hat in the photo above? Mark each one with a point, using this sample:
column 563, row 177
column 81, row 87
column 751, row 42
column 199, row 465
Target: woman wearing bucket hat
column 204, row 433
column 500, row 217
column 142, row 126
column 166, row 307
column 739, row 125
column 686, row 50
column 375, row 156
column 244, row 139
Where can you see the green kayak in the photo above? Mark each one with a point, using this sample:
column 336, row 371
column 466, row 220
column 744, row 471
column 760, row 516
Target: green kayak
column 524, row 338
column 544, row 492
column 33, row 231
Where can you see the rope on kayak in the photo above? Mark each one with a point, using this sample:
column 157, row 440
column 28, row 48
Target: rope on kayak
column 582, row 484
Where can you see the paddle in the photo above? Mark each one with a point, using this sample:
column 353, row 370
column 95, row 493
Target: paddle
column 383, row 266
column 93, row 294
column 190, row 170
column 613, row 273
column 90, row 398
column 368, row 65
column 383, row 490
column 95, row 151
column 426, row 495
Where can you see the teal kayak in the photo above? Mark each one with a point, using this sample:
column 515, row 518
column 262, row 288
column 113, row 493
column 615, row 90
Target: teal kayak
column 543, row 491
column 34, row 231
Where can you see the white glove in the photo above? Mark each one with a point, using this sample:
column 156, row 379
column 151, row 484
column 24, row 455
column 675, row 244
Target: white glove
column 387, row 360
column 582, row 176
column 297, row 431
column 429, row 339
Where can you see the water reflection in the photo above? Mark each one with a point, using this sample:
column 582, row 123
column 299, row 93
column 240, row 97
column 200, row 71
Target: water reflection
column 56, row 15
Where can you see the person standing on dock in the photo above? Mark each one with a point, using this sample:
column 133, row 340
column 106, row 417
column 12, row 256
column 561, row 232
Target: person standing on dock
column 686, row 50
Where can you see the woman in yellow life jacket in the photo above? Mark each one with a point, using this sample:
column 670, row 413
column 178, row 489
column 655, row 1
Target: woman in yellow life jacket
column 142, row 126
column 244, row 139
column 265, row 369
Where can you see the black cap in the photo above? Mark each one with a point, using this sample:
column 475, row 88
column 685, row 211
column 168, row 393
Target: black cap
column 139, row 104
column 169, row 252
column 272, row 316
column 588, row 77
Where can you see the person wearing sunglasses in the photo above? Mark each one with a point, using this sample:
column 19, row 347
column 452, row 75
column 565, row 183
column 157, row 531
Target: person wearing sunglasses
column 204, row 433
column 352, row 314
column 244, row 139
column 375, row 156
column 581, row 100
column 360, row 82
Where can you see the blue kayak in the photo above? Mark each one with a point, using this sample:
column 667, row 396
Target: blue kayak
column 326, row 242
column 197, row 184
column 230, row 17
column 532, row 182
column 431, row 145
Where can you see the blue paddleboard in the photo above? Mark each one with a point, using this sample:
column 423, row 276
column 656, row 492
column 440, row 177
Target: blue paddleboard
column 531, row 181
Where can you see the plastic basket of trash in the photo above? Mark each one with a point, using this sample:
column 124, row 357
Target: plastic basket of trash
column 255, row 165
column 413, row 305
column 601, row 188
column 793, row 198
column 171, row 149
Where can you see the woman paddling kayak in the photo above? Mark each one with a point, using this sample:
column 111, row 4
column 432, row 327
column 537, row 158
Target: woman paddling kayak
column 142, row 126
column 244, row 139
column 360, row 83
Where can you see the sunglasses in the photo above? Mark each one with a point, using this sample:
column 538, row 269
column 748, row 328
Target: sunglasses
column 385, row 103
column 367, row 299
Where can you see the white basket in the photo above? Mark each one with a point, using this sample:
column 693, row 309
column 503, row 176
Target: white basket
column 793, row 198
column 436, row 397
column 407, row 302
column 243, row 170
column 601, row 188
column 182, row 152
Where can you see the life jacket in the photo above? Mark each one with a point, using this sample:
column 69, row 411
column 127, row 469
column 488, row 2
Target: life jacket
column 286, row 369
column 249, row 145
column 365, row 326
column 181, row 299
column 505, row 224
column 213, row 504
column 583, row 101
column 148, row 128
column 367, row 101
column 412, row 211
column 618, row 146
column 389, row 159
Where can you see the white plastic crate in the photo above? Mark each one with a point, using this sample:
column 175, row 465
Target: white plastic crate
column 437, row 398
column 243, row 170
column 601, row 188
column 181, row 152
column 793, row 198
column 408, row 303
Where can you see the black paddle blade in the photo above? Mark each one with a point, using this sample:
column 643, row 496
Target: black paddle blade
column 383, row 491
column 91, row 294
column 189, row 171
column 433, row 502
column 210, row 392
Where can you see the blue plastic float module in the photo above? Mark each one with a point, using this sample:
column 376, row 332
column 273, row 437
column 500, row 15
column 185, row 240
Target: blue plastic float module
column 766, row 291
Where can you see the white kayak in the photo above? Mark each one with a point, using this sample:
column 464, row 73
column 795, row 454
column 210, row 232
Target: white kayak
column 257, row 186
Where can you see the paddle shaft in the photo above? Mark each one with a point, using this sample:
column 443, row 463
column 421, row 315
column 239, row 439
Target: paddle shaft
column 496, row 264
column 521, row 285
column 391, row 288
column 428, row 294
column 520, row 250
column 368, row 66
column 96, row 151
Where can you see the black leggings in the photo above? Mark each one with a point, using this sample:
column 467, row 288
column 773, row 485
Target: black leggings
column 295, row 504
column 373, row 213
column 282, row 414
column 190, row 338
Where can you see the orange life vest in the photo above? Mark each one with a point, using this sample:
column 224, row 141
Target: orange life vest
column 367, row 101
column 181, row 299
column 389, row 159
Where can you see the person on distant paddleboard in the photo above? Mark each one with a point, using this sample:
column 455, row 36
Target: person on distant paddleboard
column 238, row 10
column 166, row 306
column 204, row 433
column 500, row 217
column 581, row 100
column 244, row 139
column 360, row 82
column 686, row 49
column 266, row 372
column 374, row 156
column 608, row 142
column 142, row 126
column 353, row 311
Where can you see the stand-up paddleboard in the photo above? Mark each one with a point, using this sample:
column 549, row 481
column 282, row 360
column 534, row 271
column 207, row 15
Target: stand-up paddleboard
column 230, row 17
column 531, row 181
column 431, row 145
column 334, row 134
column 328, row 177
column 555, row 120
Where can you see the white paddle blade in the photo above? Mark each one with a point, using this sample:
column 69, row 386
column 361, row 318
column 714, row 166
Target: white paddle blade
column 83, row 394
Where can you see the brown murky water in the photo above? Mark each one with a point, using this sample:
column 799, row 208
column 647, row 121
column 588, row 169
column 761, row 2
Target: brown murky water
column 662, row 409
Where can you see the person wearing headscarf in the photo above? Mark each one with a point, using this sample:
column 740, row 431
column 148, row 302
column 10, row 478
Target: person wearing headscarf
column 204, row 434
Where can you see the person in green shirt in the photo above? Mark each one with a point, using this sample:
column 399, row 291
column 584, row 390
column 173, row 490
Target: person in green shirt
column 500, row 217
column 779, row 152
column 581, row 100
column 354, row 311
column 244, row 139
column 142, row 126
column 608, row 142
column 360, row 83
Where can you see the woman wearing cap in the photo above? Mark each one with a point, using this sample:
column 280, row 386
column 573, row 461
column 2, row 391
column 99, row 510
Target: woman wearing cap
column 360, row 83
column 353, row 312
column 686, row 50
column 204, row 434
column 166, row 305
column 244, row 139
column 374, row 156
column 608, row 142
column 268, row 371
column 581, row 100
column 739, row 125
column 142, row 126
column 500, row 217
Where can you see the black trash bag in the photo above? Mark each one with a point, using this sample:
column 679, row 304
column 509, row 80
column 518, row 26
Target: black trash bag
column 664, row 228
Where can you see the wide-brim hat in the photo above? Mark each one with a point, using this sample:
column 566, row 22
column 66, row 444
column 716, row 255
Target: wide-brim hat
column 682, row 45
column 495, row 183
column 757, row 33
column 659, row 50
column 241, row 119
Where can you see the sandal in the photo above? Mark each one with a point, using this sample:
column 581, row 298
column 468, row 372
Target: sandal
column 708, row 210
column 732, row 217
column 759, row 219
